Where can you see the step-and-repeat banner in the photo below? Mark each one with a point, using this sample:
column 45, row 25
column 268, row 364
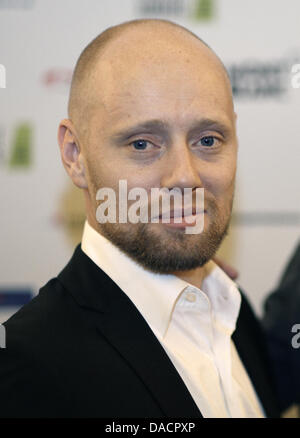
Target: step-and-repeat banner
column 41, row 213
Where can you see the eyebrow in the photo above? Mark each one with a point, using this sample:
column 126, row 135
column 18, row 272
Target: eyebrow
column 154, row 126
column 161, row 127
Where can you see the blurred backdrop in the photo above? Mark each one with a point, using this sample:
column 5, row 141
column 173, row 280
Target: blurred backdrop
column 42, row 213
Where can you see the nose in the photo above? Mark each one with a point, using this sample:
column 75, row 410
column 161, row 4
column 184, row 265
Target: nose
column 181, row 168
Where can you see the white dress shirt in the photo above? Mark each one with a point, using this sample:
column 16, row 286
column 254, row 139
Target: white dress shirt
column 193, row 325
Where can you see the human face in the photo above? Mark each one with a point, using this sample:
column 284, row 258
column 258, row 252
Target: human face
column 164, row 124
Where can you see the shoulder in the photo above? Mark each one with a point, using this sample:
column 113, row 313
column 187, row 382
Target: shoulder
column 43, row 330
column 36, row 318
column 28, row 379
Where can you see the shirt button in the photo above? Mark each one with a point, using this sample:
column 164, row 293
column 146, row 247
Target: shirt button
column 191, row 297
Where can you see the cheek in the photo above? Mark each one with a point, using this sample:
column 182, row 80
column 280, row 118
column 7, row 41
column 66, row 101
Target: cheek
column 220, row 181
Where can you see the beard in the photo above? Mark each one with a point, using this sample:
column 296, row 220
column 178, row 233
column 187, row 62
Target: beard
column 160, row 249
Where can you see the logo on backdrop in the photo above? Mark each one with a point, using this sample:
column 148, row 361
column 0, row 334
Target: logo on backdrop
column 201, row 10
column 265, row 79
column 259, row 79
column 17, row 154
column 21, row 151
column 57, row 79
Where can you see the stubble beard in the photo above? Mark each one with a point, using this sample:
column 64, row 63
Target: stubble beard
column 162, row 250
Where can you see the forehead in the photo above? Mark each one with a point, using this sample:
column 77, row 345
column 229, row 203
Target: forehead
column 167, row 82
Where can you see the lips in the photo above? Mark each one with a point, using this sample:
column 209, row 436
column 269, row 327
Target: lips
column 180, row 213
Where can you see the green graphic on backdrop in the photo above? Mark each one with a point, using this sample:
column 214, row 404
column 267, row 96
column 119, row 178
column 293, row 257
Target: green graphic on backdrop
column 204, row 10
column 199, row 10
column 21, row 151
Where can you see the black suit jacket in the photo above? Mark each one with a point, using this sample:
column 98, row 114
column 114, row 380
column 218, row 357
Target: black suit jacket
column 80, row 348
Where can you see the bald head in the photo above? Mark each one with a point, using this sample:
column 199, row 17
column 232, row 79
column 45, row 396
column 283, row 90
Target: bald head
column 120, row 49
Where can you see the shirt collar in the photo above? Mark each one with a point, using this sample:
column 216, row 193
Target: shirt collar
column 224, row 296
column 154, row 294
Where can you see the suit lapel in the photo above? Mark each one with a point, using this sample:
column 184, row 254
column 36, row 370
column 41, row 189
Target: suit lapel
column 119, row 321
column 129, row 333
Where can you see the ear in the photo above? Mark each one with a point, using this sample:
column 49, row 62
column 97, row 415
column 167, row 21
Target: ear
column 71, row 153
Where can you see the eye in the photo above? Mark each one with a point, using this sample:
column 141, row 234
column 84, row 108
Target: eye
column 208, row 141
column 144, row 150
column 140, row 145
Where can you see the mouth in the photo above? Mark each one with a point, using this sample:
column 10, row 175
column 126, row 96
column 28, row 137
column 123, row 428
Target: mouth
column 178, row 218
column 181, row 213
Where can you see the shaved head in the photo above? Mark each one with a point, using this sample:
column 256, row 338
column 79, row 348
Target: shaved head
column 137, row 40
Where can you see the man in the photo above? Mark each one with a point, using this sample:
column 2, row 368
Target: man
column 139, row 323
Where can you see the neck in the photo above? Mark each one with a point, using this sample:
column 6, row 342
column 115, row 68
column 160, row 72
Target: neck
column 194, row 276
